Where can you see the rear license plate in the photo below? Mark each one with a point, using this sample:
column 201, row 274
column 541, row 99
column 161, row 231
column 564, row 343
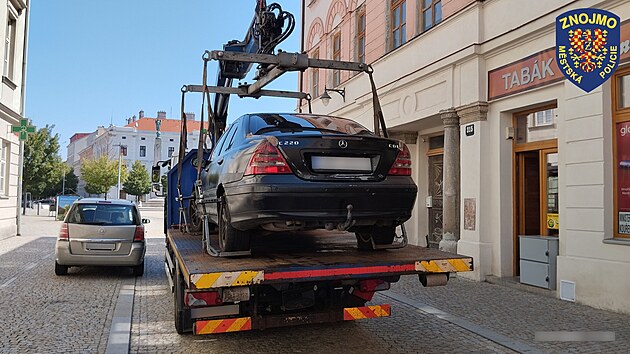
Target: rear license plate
column 338, row 163
column 100, row 246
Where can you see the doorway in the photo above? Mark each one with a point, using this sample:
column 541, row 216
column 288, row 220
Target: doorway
column 435, row 192
column 535, row 177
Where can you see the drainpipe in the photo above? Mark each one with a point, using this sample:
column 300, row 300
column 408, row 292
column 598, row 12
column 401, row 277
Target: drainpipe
column 18, row 219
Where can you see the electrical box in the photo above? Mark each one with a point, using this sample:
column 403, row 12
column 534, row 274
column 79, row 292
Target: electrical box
column 429, row 201
column 538, row 260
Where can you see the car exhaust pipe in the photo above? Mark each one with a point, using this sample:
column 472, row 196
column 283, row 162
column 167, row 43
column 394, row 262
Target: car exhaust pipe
column 349, row 222
column 429, row 280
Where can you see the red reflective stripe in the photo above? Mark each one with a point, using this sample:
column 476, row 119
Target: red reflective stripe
column 339, row 271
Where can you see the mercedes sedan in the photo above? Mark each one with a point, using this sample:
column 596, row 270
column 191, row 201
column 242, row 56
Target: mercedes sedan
column 288, row 172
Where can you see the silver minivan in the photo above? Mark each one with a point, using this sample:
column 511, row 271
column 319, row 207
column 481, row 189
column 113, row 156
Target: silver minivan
column 99, row 232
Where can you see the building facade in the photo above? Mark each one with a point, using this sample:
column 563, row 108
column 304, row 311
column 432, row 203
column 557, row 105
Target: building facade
column 136, row 141
column 502, row 144
column 15, row 32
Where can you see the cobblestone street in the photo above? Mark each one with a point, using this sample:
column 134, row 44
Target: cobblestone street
column 43, row 313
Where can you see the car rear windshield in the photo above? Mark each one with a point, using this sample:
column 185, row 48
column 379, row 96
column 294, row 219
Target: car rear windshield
column 268, row 123
column 103, row 214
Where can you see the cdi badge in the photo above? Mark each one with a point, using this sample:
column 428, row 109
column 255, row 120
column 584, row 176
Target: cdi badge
column 587, row 46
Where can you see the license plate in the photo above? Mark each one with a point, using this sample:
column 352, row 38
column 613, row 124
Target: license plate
column 100, row 246
column 338, row 163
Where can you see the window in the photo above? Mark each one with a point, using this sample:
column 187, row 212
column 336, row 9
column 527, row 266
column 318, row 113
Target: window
column 621, row 151
column 398, row 23
column 124, row 138
column 123, row 150
column 361, row 35
column 543, row 118
column 431, row 13
column 315, row 77
column 4, row 168
column 336, row 78
column 143, row 151
column 9, row 44
column 171, row 140
column 171, row 151
column 143, row 138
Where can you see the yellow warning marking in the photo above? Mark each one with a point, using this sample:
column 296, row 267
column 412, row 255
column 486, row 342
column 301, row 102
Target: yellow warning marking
column 210, row 327
column 379, row 311
column 355, row 313
column 203, row 281
column 227, row 279
column 445, row 265
column 238, row 325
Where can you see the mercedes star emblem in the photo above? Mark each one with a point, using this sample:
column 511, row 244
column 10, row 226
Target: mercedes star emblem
column 343, row 144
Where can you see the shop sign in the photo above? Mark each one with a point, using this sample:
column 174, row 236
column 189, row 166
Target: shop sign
column 539, row 69
column 623, row 176
column 587, row 46
column 534, row 71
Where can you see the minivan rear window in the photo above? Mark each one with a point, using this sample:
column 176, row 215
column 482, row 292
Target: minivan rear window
column 103, row 214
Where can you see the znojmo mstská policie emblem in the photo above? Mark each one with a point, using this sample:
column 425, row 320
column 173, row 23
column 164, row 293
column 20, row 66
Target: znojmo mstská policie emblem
column 587, row 46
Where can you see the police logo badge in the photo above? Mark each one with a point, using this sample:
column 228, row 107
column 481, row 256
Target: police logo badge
column 587, row 46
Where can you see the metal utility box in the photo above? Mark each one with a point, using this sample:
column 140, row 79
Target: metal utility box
column 538, row 260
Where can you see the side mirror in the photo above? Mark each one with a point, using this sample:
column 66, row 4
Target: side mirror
column 155, row 174
column 146, row 221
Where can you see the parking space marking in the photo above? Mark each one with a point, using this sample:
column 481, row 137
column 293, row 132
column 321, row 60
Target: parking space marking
column 120, row 329
column 463, row 323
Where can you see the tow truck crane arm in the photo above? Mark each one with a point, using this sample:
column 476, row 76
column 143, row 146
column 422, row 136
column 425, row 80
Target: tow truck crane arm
column 271, row 25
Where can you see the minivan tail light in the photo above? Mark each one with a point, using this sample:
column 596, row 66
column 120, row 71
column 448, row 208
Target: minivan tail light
column 64, row 234
column 402, row 165
column 139, row 234
column 267, row 160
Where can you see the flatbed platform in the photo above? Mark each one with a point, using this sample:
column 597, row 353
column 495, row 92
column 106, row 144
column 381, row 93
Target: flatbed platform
column 305, row 256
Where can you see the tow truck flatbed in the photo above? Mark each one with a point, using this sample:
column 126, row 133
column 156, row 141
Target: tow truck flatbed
column 305, row 256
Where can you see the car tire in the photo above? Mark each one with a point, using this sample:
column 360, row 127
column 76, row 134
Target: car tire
column 60, row 269
column 195, row 216
column 183, row 321
column 382, row 235
column 138, row 270
column 231, row 239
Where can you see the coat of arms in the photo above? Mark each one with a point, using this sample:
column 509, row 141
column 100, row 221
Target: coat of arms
column 587, row 46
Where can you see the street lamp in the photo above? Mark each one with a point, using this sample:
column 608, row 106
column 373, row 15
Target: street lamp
column 326, row 97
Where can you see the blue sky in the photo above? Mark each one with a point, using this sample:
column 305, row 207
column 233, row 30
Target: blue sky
column 100, row 61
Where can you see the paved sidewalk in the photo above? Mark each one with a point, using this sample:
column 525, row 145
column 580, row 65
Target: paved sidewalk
column 519, row 314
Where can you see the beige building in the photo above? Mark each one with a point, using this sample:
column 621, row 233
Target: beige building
column 14, row 16
column 502, row 144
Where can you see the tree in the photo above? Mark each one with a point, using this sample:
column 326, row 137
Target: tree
column 101, row 174
column 43, row 167
column 138, row 182
column 57, row 188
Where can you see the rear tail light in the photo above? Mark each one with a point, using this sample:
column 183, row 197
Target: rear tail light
column 402, row 165
column 64, row 235
column 139, row 234
column 267, row 160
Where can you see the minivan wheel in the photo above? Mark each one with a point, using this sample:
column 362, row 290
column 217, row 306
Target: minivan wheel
column 138, row 270
column 60, row 269
column 231, row 239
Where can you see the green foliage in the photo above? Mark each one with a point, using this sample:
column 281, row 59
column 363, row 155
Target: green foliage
column 164, row 180
column 138, row 182
column 100, row 174
column 71, row 183
column 43, row 167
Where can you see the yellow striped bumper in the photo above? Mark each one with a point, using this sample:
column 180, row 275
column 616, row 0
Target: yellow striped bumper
column 227, row 279
column 359, row 313
column 223, row 326
column 445, row 265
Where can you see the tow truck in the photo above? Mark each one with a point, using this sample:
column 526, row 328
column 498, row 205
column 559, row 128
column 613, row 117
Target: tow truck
column 282, row 280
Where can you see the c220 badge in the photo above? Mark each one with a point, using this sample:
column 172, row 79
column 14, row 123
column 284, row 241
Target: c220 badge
column 587, row 46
